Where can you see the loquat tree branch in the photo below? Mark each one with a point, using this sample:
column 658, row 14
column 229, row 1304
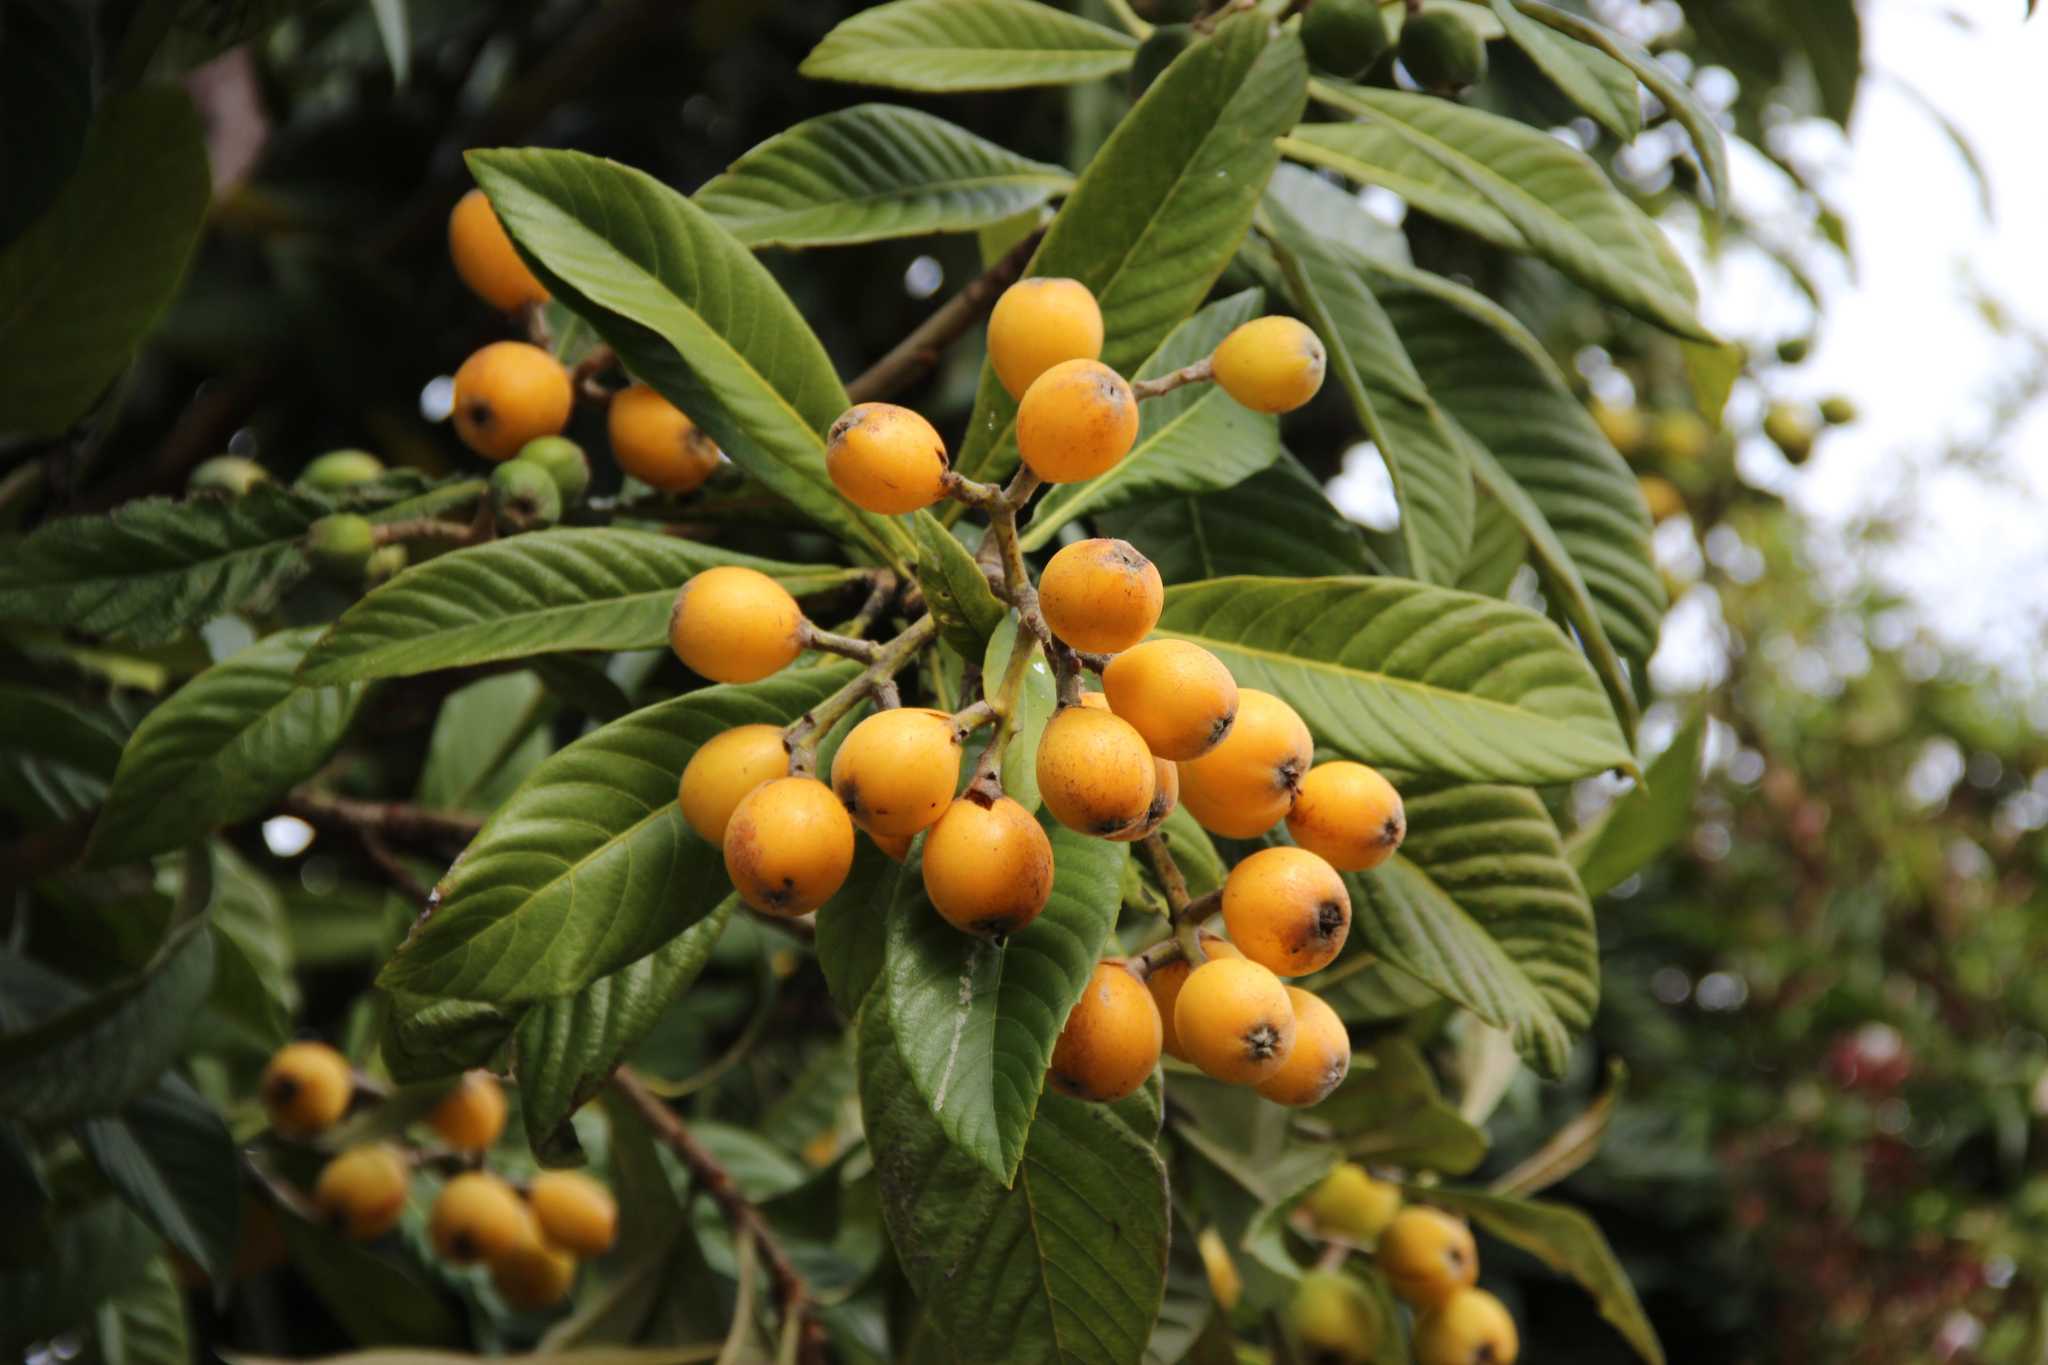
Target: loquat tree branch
column 1203, row 371
column 911, row 357
column 395, row 819
column 802, row 735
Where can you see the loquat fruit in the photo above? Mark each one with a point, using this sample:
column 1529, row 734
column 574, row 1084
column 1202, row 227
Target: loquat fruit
column 340, row 546
column 1349, row 815
column 565, row 463
column 1271, row 364
column 533, row 1278
column 654, row 442
column 1076, row 421
column 725, row 768
column 1166, row 980
column 1471, row 1327
column 886, row 459
column 524, row 497
column 1320, row 1058
column 1039, row 323
column 1110, row 1042
column 1625, row 428
column 575, row 1212
column 1234, row 1020
column 479, row 1217
column 1094, row 772
column 306, row 1088
column 1661, row 497
column 1226, row 1285
column 339, row 469
column 1246, row 785
column 988, row 870
column 470, row 1117
column 507, row 394
column 896, row 846
column 362, row 1191
column 1176, row 694
column 896, row 770
column 1335, row 1318
column 1442, row 50
column 232, row 475
column 788, row 846
column 1287, row 910
column 1344, row 37
column 1100, row 595
column 1166, row 788
column 1427, row 1255
column 1351, row 1204
column 485, row 259
column 733, row 624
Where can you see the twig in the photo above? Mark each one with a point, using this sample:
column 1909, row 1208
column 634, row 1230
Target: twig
column 1016, row 586
column 792, row 1294
column 865, row 651
column 427, row 528
column 585, row 375
column 398, row 819
column 802, row 736
column 920, row 351
column 1201, row 372
column 1186, row 925
column 395, row 872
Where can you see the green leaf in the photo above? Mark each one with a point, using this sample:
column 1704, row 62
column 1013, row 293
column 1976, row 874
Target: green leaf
column 1066, row 1265
column 1162, row 207
column 1513, row 185
column 1676, row 94
column 544, row 592
column 1389, row 1112
column 84, row 284
column 1037, row 698
column 1544, row 458
column 45, row 105
column 694, row 1354
column 1371, row 994
column 394, row 31
column 56, row 754
column 1410, row 677
column 941, row 45
column 1279, row 521
column 174, row 1161
column 589, row 865
column 487, row 737
column 1568, row 1242
column 976, row 1020
column 873, row 172
column 430, row 1039
column 221, row 749
column 955, row 589
column 566, row 1050
column 1432, row 479
column 377, row 1301
column 1589, row 77
column 245, row 906
column 97, row 1052
column 1194, row 440
column 1189, row 1303
column 145, row 1323
column 1499, row 549
column 851, row 942
column 691, row 312
column 1646, row 821
column 1481, row 904
column 1831, row 33
column 95, row 1252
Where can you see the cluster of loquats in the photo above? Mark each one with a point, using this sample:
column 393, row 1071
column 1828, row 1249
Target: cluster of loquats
column 1169, row 726
column 529, row 1235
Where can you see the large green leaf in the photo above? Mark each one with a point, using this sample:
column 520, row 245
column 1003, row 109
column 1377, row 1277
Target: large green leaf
column 45, row 105
column 1162, row 207
column 88, row 279
column 541, row 593
column 487, row 737
column 589, row 865
column 1067, row 1265
column 1411, row 677
column 57, row 754
column 956, row 589
column 375, row 1298
column 1831, row 34
column 1278, row 521
column 1646, row 821
column 95, row 1252
column 430, row 1039
column 1516, row 186
column 567, row 1049
column 690, row 311
column 1588, row 76
column 1432, row 479
column 1194, row 440
column 145, row 1323
column 872, row 172
column 852, row 940
column 222, row 748
column 1389, row 1112
column 1568, row 1242
column 1482, row 905
column 1499, row 549
column 1543, row 457
column 1036, row 700
column 174, row 1161
column 976, row 1020
column 967, row 45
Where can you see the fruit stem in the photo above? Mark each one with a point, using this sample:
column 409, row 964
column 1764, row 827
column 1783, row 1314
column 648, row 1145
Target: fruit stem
column 877, row 680
column 847, row 646
column 1153, row 846
column 585, row 375
column 1202, row 371
column 1334, row 1255
column 969, row 719
column 425, row 528
column 1018, row 589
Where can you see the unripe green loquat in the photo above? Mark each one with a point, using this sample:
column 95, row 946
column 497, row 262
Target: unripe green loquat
column 1661, row 497
column 565, row 463
column 470, row 1117
column 1320, row 1058
column 1427, row 1255
column 1234, row 1020
column 1344, row 37
column 1351, row 1204
column 896, row 770
column 1246, row 785
column 1791, row 429
column 725, row 768
column 339, row 469
column 233, row 475
column 1335, row 1318
column 1624, row 427
column 306, row 1088
column 1838, row 410
column 988, row 869
column 1471, row 1327
column 1349, row 815
column 1442, row 50
column 478, row 1217
column 1094, row 772
column 384, row 563
column 654, row 442
column 1176, row 694
column 733, row 624
column 1039, row 323
column 1680, row 436
column 1287, row 910
column 886, row 459
column 524, row 496
column 485, row 259
column 1166, row 980
column 1110, row 1042
column 789, row 846
column 1271, row 364
column 1077, row 420
column 340, row 546
column 507, row 394
column 1100, row 595
column 533, row 1278
column 362, row 1191
column 575, row 1212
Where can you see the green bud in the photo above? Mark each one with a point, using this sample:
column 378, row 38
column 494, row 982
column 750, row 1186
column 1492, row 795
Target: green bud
column 339, row 469
column 1156, row 53
column 524, row 496
column 1344, row 37
column 564, row 460
column 1443, row 51
column 230, row 474
column 1791, row 430
column 1838, row 411
column 1792, row 350
column 340, row 546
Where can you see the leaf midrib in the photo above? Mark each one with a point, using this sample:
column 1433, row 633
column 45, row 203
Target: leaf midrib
column 909, row 191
